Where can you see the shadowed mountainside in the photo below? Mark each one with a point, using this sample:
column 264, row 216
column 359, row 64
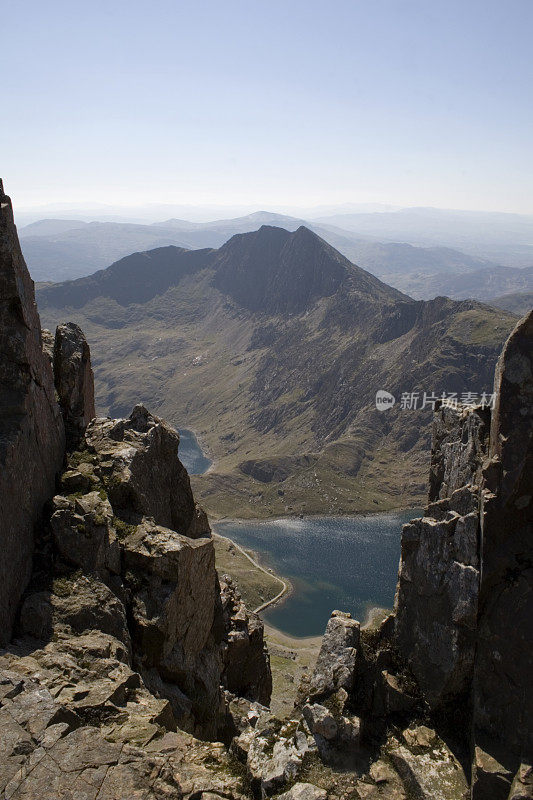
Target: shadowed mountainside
column 60, row 249
column 272, row 348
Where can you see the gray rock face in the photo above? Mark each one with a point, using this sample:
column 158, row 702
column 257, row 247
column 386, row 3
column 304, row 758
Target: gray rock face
column 246, row 660
column 503, row 700
column 274, row 752
column 304, row 791
column 437, row 597
column 32, row 437
column 458, row 448
column 172, row 583
column 335, row 666
column 139, row 465
column 74, row 380
column 430, row 773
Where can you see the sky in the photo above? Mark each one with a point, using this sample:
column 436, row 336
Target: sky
column 408, row 102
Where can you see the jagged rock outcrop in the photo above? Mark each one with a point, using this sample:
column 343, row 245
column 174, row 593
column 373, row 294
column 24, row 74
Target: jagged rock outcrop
column 137, row 460
column 273, row 752
column 125, row 636
column 438, row 580
column 335, row 667
column 464, row 607
column 246, row 664
column 74, row 380
column 131, row 555
column 32, row 438
column 457, row 651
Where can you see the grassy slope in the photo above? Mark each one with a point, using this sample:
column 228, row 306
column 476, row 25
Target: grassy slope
column 307, row 395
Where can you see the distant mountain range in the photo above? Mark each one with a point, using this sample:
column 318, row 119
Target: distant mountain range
column 504, row 238
column 272, row 347
column 483, row 284
column 58, row 249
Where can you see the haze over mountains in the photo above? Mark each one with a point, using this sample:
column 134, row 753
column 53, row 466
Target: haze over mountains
column 505, row 238
column 272, row 347
column 61, row 249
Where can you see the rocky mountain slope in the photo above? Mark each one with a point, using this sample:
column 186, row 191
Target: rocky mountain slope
column 273, row 348
column 58, row 249
column 129, row 656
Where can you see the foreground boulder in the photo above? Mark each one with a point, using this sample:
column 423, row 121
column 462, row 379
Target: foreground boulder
column 32, row 439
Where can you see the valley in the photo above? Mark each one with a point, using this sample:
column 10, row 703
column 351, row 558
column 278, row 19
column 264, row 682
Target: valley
column 272, row 349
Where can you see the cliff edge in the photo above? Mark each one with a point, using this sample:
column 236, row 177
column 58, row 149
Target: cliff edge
column 32, row 437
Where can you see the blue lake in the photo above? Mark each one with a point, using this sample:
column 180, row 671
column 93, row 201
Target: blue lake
column 348, row 563
column 191, row 454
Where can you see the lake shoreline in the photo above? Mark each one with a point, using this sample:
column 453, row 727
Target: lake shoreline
column 292, row 517
column 255, row 559
column 328, row 568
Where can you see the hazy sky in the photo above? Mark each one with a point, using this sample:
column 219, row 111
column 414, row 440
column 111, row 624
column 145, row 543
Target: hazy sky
column 415, row 102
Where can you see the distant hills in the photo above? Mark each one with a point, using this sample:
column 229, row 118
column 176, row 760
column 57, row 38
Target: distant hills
column 483, row 284
column 272, row 347
column 517, row 302
column 64, row 249
column 504, row 238
column 58, row 249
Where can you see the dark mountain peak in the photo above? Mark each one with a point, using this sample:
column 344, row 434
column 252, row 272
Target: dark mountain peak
column 277, row 271
column 269, row 269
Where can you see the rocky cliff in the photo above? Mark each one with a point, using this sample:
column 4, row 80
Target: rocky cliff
column 32, row 434
column 436, row 703
column 130, row 656
column 123, row 633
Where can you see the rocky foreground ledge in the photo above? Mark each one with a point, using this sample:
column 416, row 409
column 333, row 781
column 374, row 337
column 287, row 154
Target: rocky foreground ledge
column 131, row 671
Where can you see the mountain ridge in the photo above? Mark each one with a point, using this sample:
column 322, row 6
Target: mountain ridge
column 241, row 258
column 283, row 368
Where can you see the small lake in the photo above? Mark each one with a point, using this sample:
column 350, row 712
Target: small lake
column 346, row 563
column 191, row 454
